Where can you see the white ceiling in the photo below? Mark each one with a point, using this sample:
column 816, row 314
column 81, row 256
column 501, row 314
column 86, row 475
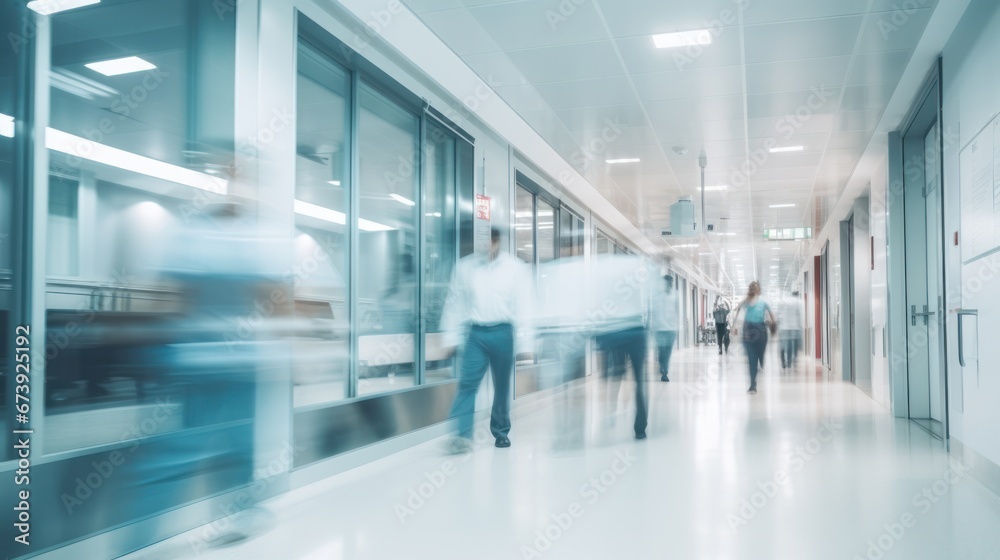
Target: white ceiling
column 571, row 74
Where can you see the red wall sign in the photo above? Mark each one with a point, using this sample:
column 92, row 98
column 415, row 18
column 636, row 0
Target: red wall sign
column 482, row 207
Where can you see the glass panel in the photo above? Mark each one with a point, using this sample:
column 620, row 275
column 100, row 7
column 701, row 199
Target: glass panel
column 10, row 22
column 321, row 353
column 602, row 245
column 546, row 232
column 138, row 158
column 440, row 244
column 387, row 279
column 62, row 241
column 524, row 224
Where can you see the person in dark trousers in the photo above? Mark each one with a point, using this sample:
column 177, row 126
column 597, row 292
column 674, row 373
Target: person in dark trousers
column 665, row 322
column 487, row 308
column 757, row 318
column 721, row 316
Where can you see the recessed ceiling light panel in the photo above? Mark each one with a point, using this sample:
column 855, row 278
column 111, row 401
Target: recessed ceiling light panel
column 787, row 149
column 622, row 160
column 682, row 39
column 120, row 66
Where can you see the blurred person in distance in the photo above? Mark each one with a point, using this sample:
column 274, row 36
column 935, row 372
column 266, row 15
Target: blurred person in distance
column 619, row 306
column 665, row 322
column 721, row 316
column 757, row 320
column 487, row 312
column 790, row 328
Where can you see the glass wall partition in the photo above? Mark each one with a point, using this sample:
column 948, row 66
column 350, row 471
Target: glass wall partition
column 408, row 167
column 440, row 240
column 321, row 351
column 141, row 147
column 388, row 173
column 10, row 20
column 570, row 233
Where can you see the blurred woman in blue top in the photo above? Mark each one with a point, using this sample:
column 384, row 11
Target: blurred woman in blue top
column 757, row 316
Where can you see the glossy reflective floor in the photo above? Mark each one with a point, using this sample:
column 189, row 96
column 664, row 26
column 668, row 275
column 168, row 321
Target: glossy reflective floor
column 808, row 468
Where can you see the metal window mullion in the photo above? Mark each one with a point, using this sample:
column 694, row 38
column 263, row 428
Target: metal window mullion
column 421, row 323
column 353, row 235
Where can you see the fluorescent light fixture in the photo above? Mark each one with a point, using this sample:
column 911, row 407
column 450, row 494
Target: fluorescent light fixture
column 688, row 246
column 49, row 7
column 335, row 217
column 782, row 206
column 682, row 39
column 774, row 267
column 334, row 183
column 787, row 149
column 119, row 66
column 726, row 234
column 433, row 214
column 715, row 188
column 86, row 149
column 622, row 160
column 6, row 125
column 402, row 199
column 319, row 212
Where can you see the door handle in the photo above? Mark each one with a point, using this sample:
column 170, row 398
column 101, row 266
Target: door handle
column 914, row 314
column 962, row 313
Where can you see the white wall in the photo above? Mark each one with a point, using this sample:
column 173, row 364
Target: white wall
column 971, row 98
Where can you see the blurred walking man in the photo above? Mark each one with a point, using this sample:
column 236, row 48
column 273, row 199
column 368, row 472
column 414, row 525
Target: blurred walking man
column 487, row 312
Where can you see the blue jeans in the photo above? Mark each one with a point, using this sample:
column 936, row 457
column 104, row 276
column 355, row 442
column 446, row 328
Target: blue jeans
column 486, row 347
column 664, row 346
column 755, row 342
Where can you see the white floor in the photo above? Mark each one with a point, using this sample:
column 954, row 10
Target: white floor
column 809, row 468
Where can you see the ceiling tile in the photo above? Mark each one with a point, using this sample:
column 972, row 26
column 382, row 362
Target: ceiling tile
column 647, row 17
column 891, row 31
column 726, row 108
column 525, row 25
column 770, row 11
column 804, row 102
column 696, row 82
column 694, row 133
column 802, row 39
column 875, row 68
column 420, row 6
column 791, row 75
column 567, row 63
column 850, row 121
column 615, row 90
column 460, row 31
column 496, row 68
column 785, row 128
column 870, row 96
column 608, row 117
column 624, row 137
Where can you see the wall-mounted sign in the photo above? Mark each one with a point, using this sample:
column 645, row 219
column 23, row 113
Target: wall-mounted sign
column 788, row 233
column 482, row 207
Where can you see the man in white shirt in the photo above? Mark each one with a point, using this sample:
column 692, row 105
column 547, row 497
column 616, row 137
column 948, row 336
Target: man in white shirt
column 665, row 322
column 487, row 311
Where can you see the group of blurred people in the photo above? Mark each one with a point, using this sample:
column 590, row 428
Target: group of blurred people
column 496, row 312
